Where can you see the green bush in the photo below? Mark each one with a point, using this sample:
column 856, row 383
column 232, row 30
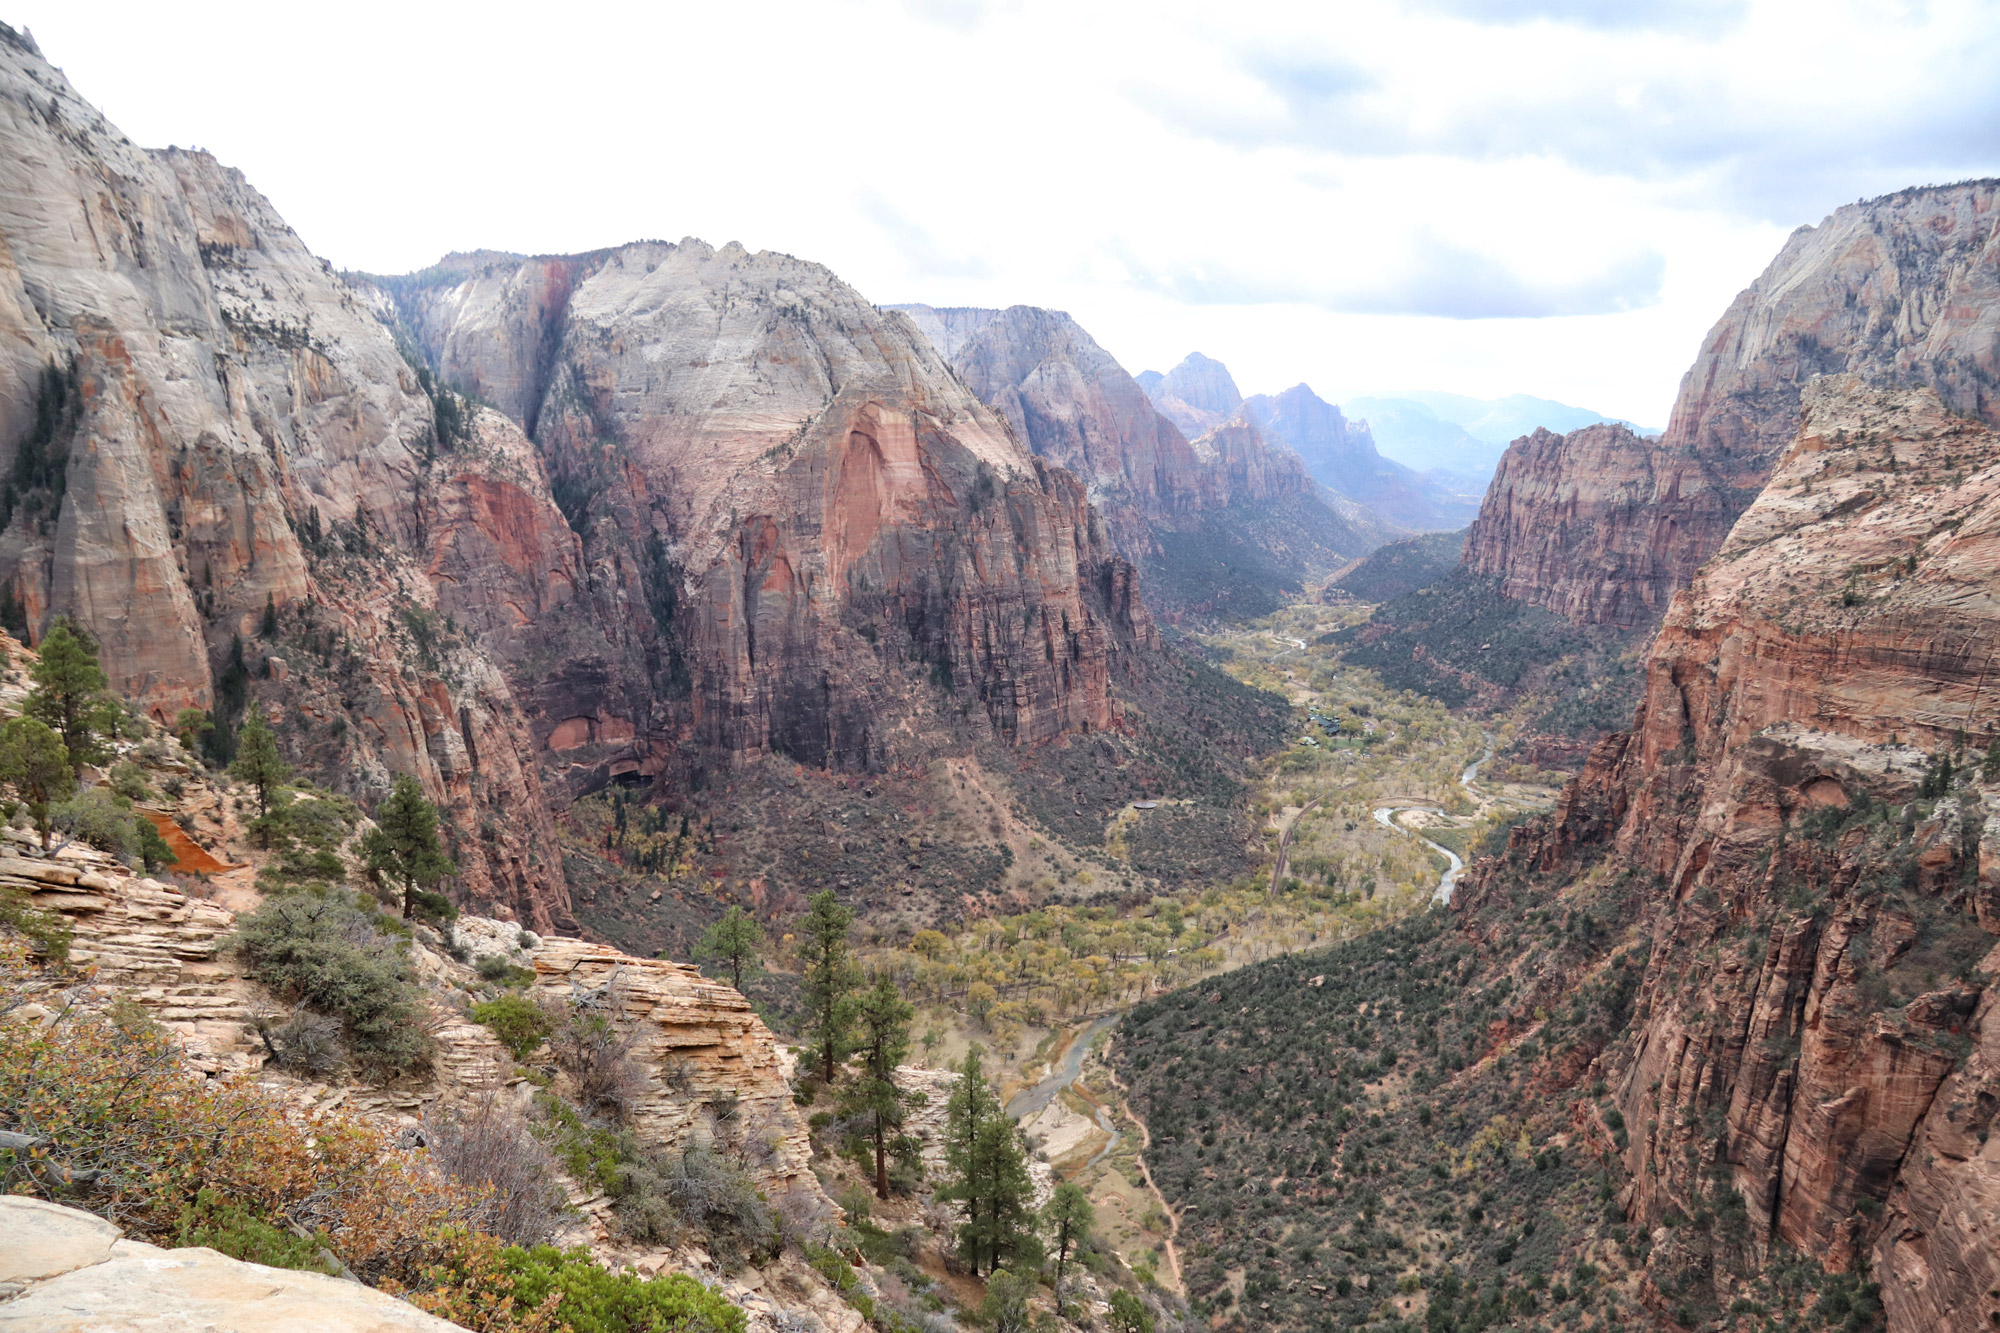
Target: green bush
column 96, row 816
column 597, row 1301
column 234, row 1228
column 334, row 954
column 129, row 781
column 519, row 1023
column 47, row 933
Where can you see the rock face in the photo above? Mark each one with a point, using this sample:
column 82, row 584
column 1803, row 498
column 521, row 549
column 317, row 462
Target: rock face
column 1904, row 290
column 1340, row 454
column 724, row 507
column 203, row 421
column 1070, row 402
column 75, row 1272
column 1195, row 517
column 1197, row 395
column 800, row 533
column 1814, row 1027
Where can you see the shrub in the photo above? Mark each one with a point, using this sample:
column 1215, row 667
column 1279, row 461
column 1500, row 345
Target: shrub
column 129, row 781
column 306, row 1042
column 239, row 1231
column 135, row 1136
column 485, row 1144
column 519, row 1023
column 699, row 1190
column 484, row 1286
column 336, row 956
column 96, row 817
column 597, row 1058
column 46, row 933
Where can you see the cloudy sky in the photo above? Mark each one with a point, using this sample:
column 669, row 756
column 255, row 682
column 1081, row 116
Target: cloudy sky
column 1489, row 196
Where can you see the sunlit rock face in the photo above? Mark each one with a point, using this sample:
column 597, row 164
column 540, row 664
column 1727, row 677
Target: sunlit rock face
column 804, row 534
column 1816, row 1027
column 224, row 425
column 1904, row 290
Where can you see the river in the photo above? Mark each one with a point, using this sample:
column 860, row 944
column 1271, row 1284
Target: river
column 1386, row 817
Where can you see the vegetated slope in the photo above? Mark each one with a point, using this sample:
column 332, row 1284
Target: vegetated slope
column 1742, row 976
column 1461, row 640
column 1342, row 1149
column 1604, row 526
column 1400, row 568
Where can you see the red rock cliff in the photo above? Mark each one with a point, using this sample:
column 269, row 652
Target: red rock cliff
column 1603, row 526
column 1815, row 1030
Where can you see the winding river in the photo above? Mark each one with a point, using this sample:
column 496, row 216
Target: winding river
column 1386, row 817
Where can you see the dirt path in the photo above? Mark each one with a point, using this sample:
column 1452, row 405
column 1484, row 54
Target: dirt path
column 1285, row 841
column 1145, row 1143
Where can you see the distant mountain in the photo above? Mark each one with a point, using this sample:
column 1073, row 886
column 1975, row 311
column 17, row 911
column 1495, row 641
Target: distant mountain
column 1428, row 429
column 1341, row 456
column 1220, row 523
column 1197, row 395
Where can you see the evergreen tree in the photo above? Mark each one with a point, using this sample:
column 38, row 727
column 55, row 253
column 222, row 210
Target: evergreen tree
column 884, row 1022
column 35, row 763
column 1129, row 1314
column 403, row 849
column 989, row 1172
column 191, row 724
column 70, row 696
column 258, row 761
column 830, row 978
column 733, row 940
column 154, row 850
column 1067, row 1218
column 268, row 629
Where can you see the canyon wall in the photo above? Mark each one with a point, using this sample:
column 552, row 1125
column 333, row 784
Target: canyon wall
column 801, row 534
column 1814, row 1035
column 1604, row 526
column 199, row 421
column 707, row 506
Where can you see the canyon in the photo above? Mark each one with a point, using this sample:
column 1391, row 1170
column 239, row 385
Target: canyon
column 719, row 506
column 1603, row 526
column 1814, row 1031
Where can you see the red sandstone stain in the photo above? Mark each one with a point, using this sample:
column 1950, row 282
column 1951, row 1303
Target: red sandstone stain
column 194, row 859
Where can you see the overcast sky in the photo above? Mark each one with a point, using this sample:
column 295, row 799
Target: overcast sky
column 1554, row 197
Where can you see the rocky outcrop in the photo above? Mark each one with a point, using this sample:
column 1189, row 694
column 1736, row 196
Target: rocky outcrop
column 1902, row 290
column 1340, row 454
column 1070, row 402
column 68, row 1270
column 1812, row 1029
column 800, row 533
column 712, row 1069
column 202, row 421
column 1197, row 395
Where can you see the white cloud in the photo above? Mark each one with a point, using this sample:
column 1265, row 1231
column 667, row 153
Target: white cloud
column 1546, row 196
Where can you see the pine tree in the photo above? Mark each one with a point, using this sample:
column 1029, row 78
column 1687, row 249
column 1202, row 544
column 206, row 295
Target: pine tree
column 268, row 628
column 1067, row 1218
column 70, row 696
column 403, row 849
column 989, row 1172
column 830, row 978
column 874, row 1098
column 258, row 761
column 35, row 763
column 734, row 940
column 1129, row 1314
